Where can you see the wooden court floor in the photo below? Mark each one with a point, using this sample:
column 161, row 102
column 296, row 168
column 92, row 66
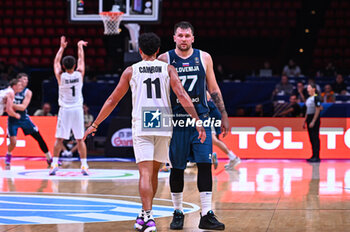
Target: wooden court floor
column 260, row 195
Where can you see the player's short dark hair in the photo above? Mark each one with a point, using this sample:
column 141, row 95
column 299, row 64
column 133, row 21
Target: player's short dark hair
column 68, row 62
column 149, row 43
column 14, row 82
column 183, row 25
column 20, row 75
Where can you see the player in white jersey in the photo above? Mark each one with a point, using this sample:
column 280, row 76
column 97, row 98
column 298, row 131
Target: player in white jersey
column 150, row 81
column 7, row 96
column 70, row 99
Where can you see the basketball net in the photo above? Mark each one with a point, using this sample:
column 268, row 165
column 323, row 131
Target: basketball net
column 111, row 22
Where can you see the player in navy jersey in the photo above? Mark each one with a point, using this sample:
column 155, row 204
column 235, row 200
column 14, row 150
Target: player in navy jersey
column 21, row 102
column 195, row 69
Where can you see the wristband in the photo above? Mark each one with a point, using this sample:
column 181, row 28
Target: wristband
column 94, row 125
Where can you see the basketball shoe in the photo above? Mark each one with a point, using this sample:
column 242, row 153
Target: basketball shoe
column 215, row 160
column 8, row 160
column 210, row 222
column 53, row 170
column 178, row 220
column 139, row 223
column 84, row 170
column 233, row 163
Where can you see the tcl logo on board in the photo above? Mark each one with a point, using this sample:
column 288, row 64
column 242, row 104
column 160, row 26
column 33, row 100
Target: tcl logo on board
column 285, row 138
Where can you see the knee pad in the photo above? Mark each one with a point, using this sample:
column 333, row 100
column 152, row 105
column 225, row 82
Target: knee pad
column 204, row 178
column 176, row 180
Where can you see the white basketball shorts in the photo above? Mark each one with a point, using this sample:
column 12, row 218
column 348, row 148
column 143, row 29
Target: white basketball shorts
column 70, row 119
column 151, row 148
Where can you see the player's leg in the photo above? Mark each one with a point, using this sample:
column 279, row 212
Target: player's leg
column 144, row 154
column 12, row 128
column 201, row 153
column 56, row 152
column 42, row 144
column 10, row 148
column 180, row 146
column 62, row 132
column 78, row 132
column 234, row 160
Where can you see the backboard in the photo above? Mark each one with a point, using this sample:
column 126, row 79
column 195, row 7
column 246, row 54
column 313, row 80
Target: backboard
column 135, row 11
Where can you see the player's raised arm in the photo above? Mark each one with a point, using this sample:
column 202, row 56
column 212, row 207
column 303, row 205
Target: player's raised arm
column 9, row 106
column 81, row 57
column 57, row 62
column 184, row 99
column 112, row 101
column 215, row 92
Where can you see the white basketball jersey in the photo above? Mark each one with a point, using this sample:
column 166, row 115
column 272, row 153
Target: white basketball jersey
column 150, row 86
column 70, row 90
column 3, row 94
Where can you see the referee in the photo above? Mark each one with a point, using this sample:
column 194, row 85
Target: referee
column 312, row 121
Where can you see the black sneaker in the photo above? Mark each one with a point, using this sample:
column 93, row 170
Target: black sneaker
column 314, row 160
column 210, row 222
column 178, row 220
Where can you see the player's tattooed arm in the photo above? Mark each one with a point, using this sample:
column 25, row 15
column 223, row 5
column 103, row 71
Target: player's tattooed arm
column 217, row 98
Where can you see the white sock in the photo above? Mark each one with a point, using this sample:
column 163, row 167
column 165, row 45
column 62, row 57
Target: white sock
column 231, row 155
column 142, row 213
column 84, row 162
column 205, row 201
column 48, row 155
column 177, row 200
column 148, row 215
column 54, row 161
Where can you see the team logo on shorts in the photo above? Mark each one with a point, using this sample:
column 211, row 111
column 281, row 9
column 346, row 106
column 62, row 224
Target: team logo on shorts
column 152, row 118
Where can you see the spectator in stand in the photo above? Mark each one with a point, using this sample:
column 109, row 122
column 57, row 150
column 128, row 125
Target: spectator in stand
column 44, row 111
column 328, row 94
column 240, row 112
column 339, row 86
column 291, row 69
column 220, row 73
column 284, row 88
column 266, row 70
column 293, row 109
column 300, row 92
column 329, row 71
column 259, row 111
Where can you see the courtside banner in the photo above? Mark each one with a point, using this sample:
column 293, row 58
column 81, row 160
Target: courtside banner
column 285, row 138
column 26, row 145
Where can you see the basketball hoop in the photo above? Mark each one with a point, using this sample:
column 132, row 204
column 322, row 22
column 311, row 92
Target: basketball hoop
column 111, row 21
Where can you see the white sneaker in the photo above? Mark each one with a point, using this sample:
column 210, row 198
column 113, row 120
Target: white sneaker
column 84, row 170
column 233, row 163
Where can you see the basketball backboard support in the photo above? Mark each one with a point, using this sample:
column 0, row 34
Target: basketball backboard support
column 135, row 11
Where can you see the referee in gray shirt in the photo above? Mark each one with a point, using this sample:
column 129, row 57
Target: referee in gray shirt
column 312, row 121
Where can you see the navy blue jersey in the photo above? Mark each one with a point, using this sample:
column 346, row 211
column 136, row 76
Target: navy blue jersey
column 192, row 75
column 19, row 98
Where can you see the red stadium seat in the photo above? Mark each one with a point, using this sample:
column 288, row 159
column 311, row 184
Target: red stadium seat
column 15, row 52
column 26, row 51
column 13, row 41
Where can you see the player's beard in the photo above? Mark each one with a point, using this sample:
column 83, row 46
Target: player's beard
column 184, row 49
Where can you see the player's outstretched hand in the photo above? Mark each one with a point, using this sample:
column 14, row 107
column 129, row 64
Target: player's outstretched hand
column 224, row 125
column 90, row 130
column 202, row 135
column 82, row 43
column 63, row 41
